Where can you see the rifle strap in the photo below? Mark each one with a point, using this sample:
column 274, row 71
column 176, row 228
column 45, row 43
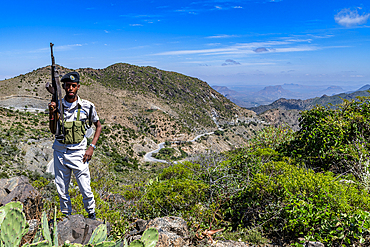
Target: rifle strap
column 78, row 113
column 90, row 116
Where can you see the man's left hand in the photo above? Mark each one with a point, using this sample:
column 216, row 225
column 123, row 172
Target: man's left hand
column 88, row 154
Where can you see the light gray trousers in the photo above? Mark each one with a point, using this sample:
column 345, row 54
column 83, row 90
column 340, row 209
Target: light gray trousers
column 66, row 161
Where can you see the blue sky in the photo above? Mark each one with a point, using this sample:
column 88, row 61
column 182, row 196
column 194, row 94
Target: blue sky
column 259, row 42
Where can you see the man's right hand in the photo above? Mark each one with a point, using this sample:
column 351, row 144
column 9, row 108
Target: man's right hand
column 52, row 107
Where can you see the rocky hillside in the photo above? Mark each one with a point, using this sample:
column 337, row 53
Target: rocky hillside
column 124, row 93
column 139, row 108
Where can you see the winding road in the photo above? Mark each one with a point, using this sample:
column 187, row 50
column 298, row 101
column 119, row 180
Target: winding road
column 148, row 156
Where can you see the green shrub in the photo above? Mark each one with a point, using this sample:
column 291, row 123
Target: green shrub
column 172, row 197
column 271, row 137
column 296, row 202
column 184, row 170
column 333, row 139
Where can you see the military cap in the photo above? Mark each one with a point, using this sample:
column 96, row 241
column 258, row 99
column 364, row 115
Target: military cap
column 72, row 77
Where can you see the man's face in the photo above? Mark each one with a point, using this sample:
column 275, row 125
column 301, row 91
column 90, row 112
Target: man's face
column 71, row 89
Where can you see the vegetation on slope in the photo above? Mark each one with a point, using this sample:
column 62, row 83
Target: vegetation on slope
column 286, row 186
column 156, row 104
column 262, row 191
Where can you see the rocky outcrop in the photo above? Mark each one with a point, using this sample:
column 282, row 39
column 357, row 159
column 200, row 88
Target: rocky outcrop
column 173, row 231
column 77, row 229
column 19, row 189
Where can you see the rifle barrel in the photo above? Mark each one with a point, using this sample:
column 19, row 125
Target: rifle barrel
column 52, row 55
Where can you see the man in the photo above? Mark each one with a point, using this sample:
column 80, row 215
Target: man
column 71, row 153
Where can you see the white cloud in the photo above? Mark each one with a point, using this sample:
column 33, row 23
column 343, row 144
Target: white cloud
column 66, row 47
column 237, row 7
column 286, row 45
column 350, row 18
column 136, row 25
column 222, row 36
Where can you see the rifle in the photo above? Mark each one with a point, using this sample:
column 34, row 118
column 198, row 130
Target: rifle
column 56, row 91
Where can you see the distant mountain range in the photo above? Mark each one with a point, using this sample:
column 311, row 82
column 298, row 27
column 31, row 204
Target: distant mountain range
column 269, row 94
column 298, row 104
column 287, row 111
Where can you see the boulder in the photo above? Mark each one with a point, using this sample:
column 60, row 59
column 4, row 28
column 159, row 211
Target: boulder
column 173, row 231
column 19, row 189
column 229, row 243
column 314, row 244
column 77, row 229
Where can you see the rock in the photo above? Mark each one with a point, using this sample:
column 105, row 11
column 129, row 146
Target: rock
column 77, row 229
column 19, row 189
column 173, row 231
column 116, row 198
column 140, row 225
column 229, row 243
column 38, row 155
column 33, row 225
column 314, row 244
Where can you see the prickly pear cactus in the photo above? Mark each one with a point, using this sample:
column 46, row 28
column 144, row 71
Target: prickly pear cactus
column 150, row 237
column 44, row 243
column 37, row 237
column 119, row 243
column 45, row 228
column 136, row 243
column 13, row 228
column 7, row 207
column 99, row 235
column 105, row 244
column 55, row 228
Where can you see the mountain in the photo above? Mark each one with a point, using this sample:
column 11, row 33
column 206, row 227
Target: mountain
column 122, row 91
column 274, row 92
column 139, row 106
column 332, row 90
column 227, row 92
column 269, row 94
column 364, row 88
column 250, row 99
column 298, row 104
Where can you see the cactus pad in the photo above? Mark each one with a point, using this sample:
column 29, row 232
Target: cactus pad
column 136, row 243
column 13, row 228
column 37, row 237
column 105, row 244
column 7, row 207
column 44, row 243
column 55, row 228
column 45, row 228
column 150, row 237
column 99, row 235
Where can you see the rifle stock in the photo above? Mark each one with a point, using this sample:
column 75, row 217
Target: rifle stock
column 57, row 98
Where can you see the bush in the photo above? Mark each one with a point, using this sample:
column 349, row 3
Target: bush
column 295, row 202
column 172, row 197
column 333, row 139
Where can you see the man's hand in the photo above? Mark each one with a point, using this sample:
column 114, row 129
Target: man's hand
column 52, row 107
column 53, row 117
column 88, row 154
